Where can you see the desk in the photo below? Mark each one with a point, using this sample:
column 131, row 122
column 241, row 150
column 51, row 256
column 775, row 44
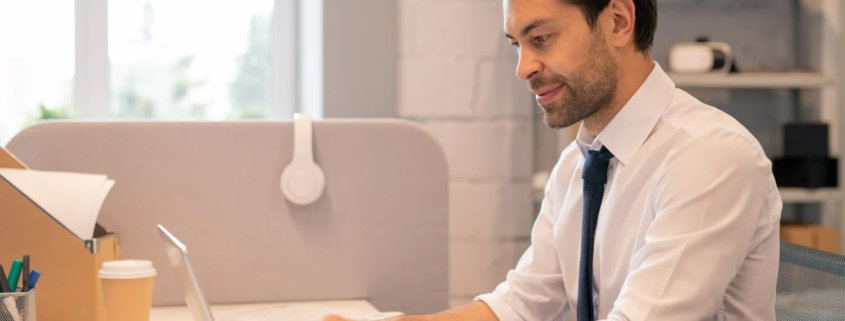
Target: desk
column 181, row 313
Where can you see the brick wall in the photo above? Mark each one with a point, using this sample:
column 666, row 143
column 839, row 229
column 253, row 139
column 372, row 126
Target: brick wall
column 457, row 78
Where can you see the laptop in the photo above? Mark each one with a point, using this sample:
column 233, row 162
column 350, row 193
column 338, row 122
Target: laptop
column 177, row 253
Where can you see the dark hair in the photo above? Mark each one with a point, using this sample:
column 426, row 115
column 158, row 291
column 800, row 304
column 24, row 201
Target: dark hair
column 646, row 18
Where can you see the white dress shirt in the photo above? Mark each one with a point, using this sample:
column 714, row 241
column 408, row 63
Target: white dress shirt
column 688, row 227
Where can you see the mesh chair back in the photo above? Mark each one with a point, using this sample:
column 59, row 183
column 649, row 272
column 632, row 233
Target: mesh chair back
column 811, row 284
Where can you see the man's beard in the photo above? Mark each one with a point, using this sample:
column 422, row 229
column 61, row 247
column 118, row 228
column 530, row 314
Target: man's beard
column 589, row 89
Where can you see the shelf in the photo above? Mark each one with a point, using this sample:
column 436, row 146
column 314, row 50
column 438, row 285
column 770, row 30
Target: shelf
column 784, row 80
column 800, row 195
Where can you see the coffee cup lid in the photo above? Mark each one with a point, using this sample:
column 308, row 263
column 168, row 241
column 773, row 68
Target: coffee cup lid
column 127, row 269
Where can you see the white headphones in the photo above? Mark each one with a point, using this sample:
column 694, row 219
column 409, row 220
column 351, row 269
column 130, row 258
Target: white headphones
column 303, row 180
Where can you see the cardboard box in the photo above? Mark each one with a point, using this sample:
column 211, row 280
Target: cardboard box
column 814, row 236
column 69, row 289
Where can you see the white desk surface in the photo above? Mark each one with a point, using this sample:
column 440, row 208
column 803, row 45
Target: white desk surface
column 181, row 313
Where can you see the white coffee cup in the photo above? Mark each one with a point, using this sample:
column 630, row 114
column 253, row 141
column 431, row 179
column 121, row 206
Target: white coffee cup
column 128, row 289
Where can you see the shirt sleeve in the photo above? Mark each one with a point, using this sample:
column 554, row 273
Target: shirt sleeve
column 709, row 215
column 534, row 289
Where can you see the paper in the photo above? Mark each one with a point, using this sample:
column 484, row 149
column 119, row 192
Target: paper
column 73, row 199
column 301, row 312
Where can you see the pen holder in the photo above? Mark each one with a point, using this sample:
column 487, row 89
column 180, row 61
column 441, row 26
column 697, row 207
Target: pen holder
column 17, row 306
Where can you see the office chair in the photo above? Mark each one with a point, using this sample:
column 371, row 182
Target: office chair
column 811, row 284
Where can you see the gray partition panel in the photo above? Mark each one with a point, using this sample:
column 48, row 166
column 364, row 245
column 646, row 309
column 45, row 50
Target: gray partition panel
column 379, row 231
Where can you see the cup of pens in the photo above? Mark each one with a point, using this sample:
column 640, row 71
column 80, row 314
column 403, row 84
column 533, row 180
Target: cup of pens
column 17, row 302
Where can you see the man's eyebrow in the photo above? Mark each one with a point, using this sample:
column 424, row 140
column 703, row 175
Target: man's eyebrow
column 528, row 28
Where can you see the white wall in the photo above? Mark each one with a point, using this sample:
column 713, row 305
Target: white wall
column 348, row 58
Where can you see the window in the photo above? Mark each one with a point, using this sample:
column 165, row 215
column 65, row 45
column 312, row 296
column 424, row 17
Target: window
column 191, row 59
column 148, row 59
column 36, row 62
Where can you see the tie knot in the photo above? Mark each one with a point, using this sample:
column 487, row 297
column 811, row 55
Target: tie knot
column 595, row 166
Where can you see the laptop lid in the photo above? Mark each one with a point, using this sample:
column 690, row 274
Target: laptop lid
column 177, row 253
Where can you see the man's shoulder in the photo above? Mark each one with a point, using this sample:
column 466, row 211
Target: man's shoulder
column 704, row 130
column 701, row 123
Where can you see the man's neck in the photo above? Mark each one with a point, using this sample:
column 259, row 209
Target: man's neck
column 631, row 74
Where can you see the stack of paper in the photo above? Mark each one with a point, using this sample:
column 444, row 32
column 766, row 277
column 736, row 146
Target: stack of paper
column 73, row 199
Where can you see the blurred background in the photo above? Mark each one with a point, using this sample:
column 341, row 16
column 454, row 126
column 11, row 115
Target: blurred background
column 441, row 63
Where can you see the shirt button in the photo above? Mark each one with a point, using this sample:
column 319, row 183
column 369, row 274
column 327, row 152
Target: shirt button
column 598, row 304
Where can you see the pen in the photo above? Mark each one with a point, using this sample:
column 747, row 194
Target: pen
column 9, row 302
column 14, row 275
column 25, row 273
column 33, row 278
column 4, row 284
column 4, row 313
column 12, row 309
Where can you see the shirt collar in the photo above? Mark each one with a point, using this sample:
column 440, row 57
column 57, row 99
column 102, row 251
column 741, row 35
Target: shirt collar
column 628, row 130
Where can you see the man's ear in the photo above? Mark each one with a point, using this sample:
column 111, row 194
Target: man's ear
column 623, row 13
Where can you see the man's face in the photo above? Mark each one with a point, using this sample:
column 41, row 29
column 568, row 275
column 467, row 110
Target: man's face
column 568, row 65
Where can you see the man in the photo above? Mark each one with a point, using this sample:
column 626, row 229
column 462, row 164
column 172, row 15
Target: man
column 663, row 208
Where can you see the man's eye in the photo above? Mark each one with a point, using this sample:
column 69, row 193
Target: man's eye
column 540, row 39
column 515, row 44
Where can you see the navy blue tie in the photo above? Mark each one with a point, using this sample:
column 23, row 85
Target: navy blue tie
column 595, row 178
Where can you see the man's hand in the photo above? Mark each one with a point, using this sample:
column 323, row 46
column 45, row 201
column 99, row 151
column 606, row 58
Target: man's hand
column 476, row 311
column 333, row 317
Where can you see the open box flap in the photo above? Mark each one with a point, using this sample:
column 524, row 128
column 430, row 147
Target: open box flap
column 8, row 160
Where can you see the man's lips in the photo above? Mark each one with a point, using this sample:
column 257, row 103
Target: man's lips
column 548, row 94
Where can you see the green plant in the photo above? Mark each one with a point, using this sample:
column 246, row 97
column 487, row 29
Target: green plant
column 45, row 113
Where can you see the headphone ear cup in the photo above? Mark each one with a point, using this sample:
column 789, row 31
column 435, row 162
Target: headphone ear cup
column 303, row 184
column 302, row 180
